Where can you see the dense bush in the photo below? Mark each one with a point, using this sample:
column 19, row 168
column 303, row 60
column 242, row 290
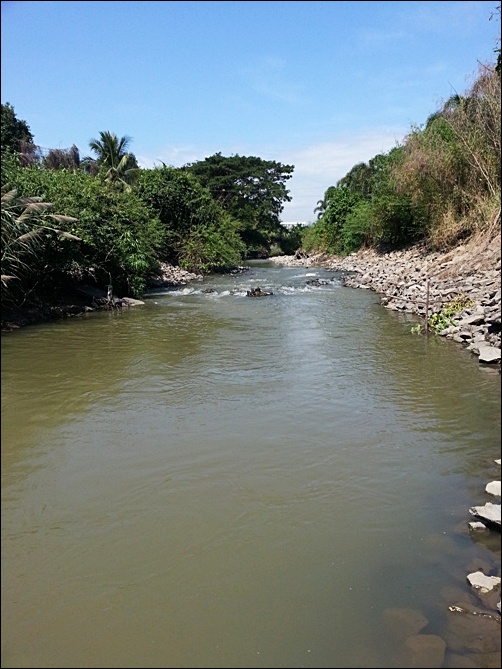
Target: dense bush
column 120, row 236
column 198, row 234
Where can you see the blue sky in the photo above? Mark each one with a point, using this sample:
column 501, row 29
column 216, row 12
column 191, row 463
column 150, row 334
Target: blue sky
column 318, row 85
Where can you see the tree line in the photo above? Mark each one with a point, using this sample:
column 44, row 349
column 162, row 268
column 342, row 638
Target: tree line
column 102, row 219
column 439, row 186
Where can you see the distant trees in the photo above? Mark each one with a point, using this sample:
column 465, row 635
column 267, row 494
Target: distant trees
column 14, row 130
column 198, row 233
column 57, row 159
column 440, row 185
column 252, row 190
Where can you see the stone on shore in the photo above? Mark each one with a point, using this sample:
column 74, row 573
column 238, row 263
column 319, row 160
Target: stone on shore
column 493, row 488
column 489, row 513
column 488, row 354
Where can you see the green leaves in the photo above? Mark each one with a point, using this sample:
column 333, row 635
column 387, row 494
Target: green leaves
column 23, row 237
column 199, row 234
column 250, row 189
column 118, row 167
column 13, row 130
column 443, row 319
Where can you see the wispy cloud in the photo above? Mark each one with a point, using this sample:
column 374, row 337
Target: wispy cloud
column 317, row 166
column 268, row 77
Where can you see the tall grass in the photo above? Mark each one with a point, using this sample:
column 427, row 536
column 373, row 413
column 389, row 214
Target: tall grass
column 24, row 231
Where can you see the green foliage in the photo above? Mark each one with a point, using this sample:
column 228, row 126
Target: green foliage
column 288, row 240
column 358, row 228
column 327, row 233
column 115, row 164
column 450, row 171
column 25, row 237
column 211, row 248
column 323, row 204
column 198, row 234
column 120, row 236
column 443, row 319
column 251, row 190
column 440, row 186
column 395, row 222
column 13, row 130
column 364, row 209
column 363, row 179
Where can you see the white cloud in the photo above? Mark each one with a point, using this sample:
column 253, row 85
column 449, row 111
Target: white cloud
column 321, row 165
column 317, row 166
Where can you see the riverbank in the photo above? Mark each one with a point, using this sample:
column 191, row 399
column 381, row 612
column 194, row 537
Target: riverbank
column 82, row 299
column 419, row 282
column 411, row 280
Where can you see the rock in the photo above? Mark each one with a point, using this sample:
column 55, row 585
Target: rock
column 172, row 275
column 493, row 488
column 489, row 512
column 131, row 302
column 258, row 292
column 483, row 583
column 488, row 354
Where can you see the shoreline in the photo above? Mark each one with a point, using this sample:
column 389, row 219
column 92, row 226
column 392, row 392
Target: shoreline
column 411, row 280
column 424, row 283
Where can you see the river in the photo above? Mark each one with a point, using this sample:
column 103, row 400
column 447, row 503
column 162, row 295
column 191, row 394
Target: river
column 215, row 480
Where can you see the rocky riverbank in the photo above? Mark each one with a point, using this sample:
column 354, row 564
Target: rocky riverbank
column 411, row 280
column 423, row 283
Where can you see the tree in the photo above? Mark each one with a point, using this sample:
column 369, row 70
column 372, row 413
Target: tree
column 120, row 234
column 119, row 167
column 13, row 130
column 199, row 234
column 323, row 204
column 253, row 191
column 63, row 159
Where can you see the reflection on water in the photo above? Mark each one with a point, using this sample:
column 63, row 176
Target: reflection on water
column 213, row 480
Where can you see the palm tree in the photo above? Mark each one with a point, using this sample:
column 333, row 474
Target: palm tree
column 119, row 165
column 323, row 204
